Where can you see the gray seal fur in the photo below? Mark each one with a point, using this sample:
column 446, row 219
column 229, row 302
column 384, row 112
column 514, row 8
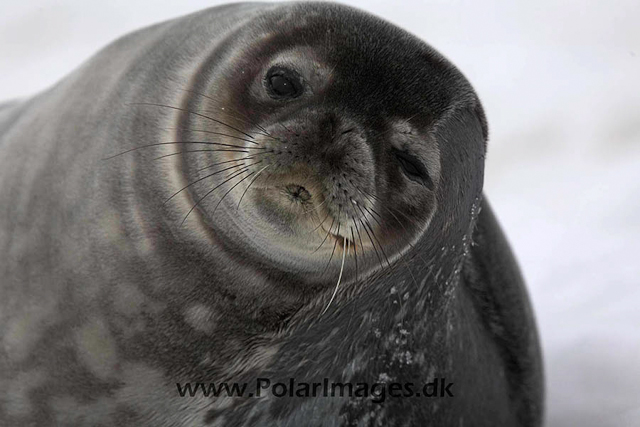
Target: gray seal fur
column 123, row 273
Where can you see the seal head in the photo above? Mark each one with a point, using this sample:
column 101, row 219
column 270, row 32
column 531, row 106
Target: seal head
column 328, row 139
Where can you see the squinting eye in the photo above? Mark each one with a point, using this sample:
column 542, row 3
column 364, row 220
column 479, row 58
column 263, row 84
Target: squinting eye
column 283, row 83
column 413, row 168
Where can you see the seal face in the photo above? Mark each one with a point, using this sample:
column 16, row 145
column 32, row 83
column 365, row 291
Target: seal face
column 257, row 193
column 318, row 109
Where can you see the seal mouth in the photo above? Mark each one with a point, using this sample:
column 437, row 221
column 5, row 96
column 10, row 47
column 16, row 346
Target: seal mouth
column 306, row 198
column 341, row 241
column 299, row 194
column 344, row 242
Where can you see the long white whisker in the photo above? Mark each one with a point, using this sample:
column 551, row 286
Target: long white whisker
column 345, row 248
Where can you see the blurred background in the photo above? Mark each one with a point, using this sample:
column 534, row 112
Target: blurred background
column 560, row 83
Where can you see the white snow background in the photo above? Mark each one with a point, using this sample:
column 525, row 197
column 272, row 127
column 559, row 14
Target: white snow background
column 560, row 82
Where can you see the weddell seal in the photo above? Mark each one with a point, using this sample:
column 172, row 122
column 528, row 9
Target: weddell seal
column 259, row 214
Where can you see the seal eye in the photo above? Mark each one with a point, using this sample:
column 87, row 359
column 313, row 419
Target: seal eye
column 413, row 168
column 283, row 83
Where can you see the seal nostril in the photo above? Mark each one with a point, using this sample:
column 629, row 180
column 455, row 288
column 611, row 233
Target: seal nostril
column 298, row 193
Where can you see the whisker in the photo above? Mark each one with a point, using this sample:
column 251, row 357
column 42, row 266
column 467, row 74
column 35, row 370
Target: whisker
column 406, row 231
column 211, row 133
column 202, row 151
column 374, row 218
column 252, row 181
column 320, row 225
column 227, row 161
column 399, row 222
column 325, row 237
column 382, row 204
column 262, row 130
column 400, row 257
column 334, row 247
column 211, row 191
column 316, row 208
column 368, row 224
column 197, row 151
column 355, row 255
column 208, row 143
column 372, row 244
column 214, row 100
column 229, row 191
column 377, row 241
column 205, row 177
column 345, row 248
column 359, row 236
column 170, row 143
column 252, row 156
column 194, row 113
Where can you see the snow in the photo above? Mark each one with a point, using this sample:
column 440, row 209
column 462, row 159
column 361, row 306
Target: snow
column 561, row 88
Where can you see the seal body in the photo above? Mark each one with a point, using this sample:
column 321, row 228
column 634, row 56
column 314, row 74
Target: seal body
column 286, row 196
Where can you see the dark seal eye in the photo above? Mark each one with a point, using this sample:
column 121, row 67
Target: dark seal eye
column 283, row 83
column 413, row 168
